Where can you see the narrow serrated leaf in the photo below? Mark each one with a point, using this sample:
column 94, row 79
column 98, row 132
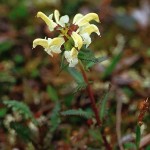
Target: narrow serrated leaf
column 23, row 131
column 3, row 112
column 80, row 86
column 113, row 64
column 52, row 93
column 130, row 145
column 21, row 108
column 138, row 136
column 77, row 112
column 103, row 104
column 55, row 117
column 76, row 75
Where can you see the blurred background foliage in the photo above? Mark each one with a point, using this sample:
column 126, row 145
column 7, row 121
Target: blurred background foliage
column 31, row 76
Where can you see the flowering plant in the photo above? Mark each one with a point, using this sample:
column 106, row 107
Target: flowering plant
column 75, row 34
column 72, row 42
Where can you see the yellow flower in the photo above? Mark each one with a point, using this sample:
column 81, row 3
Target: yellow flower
column 77, row 40
column 63, row 20
column 48, row 20
column 80, row 31
column 71, row 57
column 81, row 20
column 50, row 45
column 85, row 28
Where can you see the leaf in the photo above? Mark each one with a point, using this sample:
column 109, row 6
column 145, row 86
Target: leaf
column 148, row 147
column 138, row 136
column 52, row 93
column 3, row 112
column 68, row 100
column 20, row 11
column 112, row 66
column 23, row 131
column 63, row 65
column 80, row 86
column 18, row 58
column 54, row 123
column 5, row 46
column 95, row 134
column 55, row 118
column 88, row 59
column 21, row 108
column 76, row 75
column 103, row 104
column 78, row 112
column 130, row 145
column 95, row 61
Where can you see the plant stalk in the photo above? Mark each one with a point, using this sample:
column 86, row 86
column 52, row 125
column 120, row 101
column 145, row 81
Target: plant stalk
column 93, row 103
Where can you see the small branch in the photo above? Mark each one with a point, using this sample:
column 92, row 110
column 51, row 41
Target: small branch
column 118, row 121
column 92, row 99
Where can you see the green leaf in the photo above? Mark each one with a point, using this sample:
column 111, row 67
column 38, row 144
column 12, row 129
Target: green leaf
column 52, row 93
column 5, row 46
column 148, row 147
column 76, row 75
column 3, row 112
column 23, row 131
column 80, row 86
column 95, row 134
column 68, row 100
column 130, row 145
column 95, row 61
column 77, row 112
column 21, row 108
column 7, row 77
column 63, row 64
column 55, row 117
column 53, row 125
column 88, row 59
column 113, row 64
column 18, row 58
column 20, row 11
column 103, row 104
column 138, row 136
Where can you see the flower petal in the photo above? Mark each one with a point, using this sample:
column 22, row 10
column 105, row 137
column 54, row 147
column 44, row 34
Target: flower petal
column 42, row 42
column 74, row 53
column 67, row 55
column 73, row 63
column 89, row 29
column 86, row 39
column 47, row 20
column 57, row 41
column 72, row 57
column 87, row 18
column 77, row 17
column 49, row 51
column 63, row 20
column 55, row 49
column 77, row 40
column 56, row 15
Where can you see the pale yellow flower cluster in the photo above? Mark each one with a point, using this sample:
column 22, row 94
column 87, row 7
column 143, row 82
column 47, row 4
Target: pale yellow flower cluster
column 79, row 31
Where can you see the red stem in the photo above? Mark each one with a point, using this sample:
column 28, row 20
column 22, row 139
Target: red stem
column 91, row 95
column 92, row 99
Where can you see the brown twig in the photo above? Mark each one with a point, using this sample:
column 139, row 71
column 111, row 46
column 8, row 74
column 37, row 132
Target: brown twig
column 96, row 112
column 118, row 120
column 143, row 110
